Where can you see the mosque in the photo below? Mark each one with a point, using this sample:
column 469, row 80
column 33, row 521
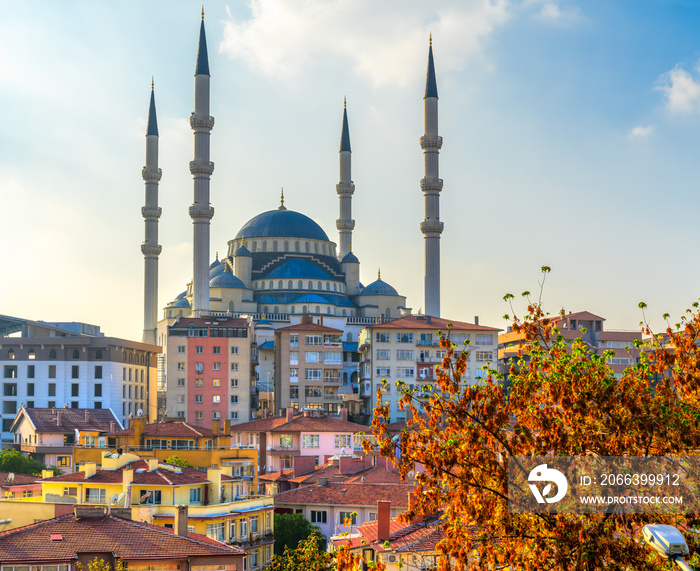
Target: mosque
column 281, row 264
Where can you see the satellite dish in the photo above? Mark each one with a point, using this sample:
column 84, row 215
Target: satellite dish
column 115, row 499
column 411, row 474
column 10, row 477
column 139, row 412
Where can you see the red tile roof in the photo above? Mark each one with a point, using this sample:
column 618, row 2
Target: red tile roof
column 127, row 539
column 46, row 420
column 347, row 494
column 300, row 423
column 17, row 479
column 301, row 327
column 411, row 538
column 158, row 477
column 435, row 323
column 168, row 430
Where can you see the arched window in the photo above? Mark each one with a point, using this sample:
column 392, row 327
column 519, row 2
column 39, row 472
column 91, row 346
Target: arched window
column 315, row 247
column 328, row 286
column 387, row 313
column 294, row 310
column 255, row 246
column 279, row 285
column 352, row 313
column 52, row 354
column 348, row 337
column 344, row 313
column 11, row 354
column 318, row 309
column 31, row 355
column 262, row 285
column 266, row 309
column 300, row 285
column 320, row 286
column 324, row 249
column 180, row 313
column 230, row 306
column 277, row 309
column 290, row 284
column 335, row 286
column 328, row 310
column 274, row 245
column 307, row 247
column 272, row 284
column 264, row 246
column 76, row 354
column 255, row 285
column 305, row 310
column 98, row 355
column 286, row 246
column 296, row 246
column 311, row 285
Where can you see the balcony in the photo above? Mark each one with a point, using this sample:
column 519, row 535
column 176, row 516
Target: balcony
column 280, row 450
column 333, row 398
column 337, row 379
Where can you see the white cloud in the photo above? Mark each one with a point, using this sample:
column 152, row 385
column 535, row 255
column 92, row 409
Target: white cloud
column 380, row 41
column 641, row 132
column 681, row 89
column 552, row 12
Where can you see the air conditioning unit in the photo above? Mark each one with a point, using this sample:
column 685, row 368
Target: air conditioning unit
column 392, row 558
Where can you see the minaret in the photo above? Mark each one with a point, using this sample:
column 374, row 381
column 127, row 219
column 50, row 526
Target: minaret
column 201, row 168
column 345, row 189
column 431, row 185
column 151, row 212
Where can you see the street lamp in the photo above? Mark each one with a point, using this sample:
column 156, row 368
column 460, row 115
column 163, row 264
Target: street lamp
column 668, row 541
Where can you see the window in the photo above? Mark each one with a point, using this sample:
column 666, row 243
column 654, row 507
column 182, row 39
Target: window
column 199, row 367
column 217, row 350
column 234, row 415
column 30, row 404
column 180, row 348
column 30, row 390
column 51, row 404
column 234, row 366
column 52, row 354
column 234, row 383
column 216, row 415
column 244, row 528
column 98, row 371
column 195, row 495
column 10, row 389
column 234, row 350
column 181, row 382
column 310, row 441
column 70, row 491
column 294, row 358
column 294, row 340
column 216, row 531
column 372, row 516
column 620, row 361
column 404, row 337
column 198, row 398
column 76, row 404
column 312, row 374
column 216, row 382
column 343, row 441
column 97, row 404
column 216, row 399
column 180, row 366
column 426, row 338
column 482, row 356
column 313, row 392
column 52, row 390
column 75, row 389
column 234, row 399
column 294, row 375
column 52, row 371
column 293, row 392
column 352, row 516
column 382, row 337
column 76, row 354
column 198, row 383
column 95, row 495
column 313, row 357
column 333, row 357
column 199, row 349
column 150, row 497
column 404, row 355
column 314, row 340
column 383, row 354
column 384, row 372
column 63, row 461
column 98, row 389
column 74, row 371
column 484, row 339
column 405, row 372
column 30, row 371
column 216, row 366
column 319, row 516
column 254, row 559
column 180, row 398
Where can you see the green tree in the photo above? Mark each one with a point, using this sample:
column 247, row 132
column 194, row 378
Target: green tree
column 291, row 529
column 307, row 556
column 15, row 461
column 177, row 461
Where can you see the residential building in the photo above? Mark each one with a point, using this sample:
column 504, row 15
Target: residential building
column 14, row 485
column 279, row 439
column 211, row 370
column 585, row 325
column 408, row 349
column 308, row 367
column 72, row 541
column 49, row 435
column 46, row 366
column 329, row 504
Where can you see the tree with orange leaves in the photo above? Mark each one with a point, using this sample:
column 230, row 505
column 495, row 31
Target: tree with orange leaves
column 564, row 400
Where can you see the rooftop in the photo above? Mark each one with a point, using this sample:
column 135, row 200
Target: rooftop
column 431, row 323
column 348, row 494
column 67, row 420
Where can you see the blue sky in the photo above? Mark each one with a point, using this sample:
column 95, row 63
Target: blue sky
column 571, row 136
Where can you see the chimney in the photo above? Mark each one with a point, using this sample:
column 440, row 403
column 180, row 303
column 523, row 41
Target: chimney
column 344, row 414
column 58, row 418
column 47, row 473
column 87, row 416
column 383, row 520
column 227, row 427
column 306, row 319
column 127, row 479
column 180, row 526
column 214, row 477
column 139, row 424
column 111, row 426
column 476, row 320
column 152, row 464
column 90, row 469
column 216, row 426
column 290, row 413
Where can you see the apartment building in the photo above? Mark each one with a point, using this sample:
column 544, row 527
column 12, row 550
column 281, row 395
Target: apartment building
column 211, row 370
column 47, row 366
column 408, row 349
column 308, row 367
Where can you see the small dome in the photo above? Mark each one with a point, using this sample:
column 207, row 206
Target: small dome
column 215, row 263
column 379, row 288
column 181, row 296
column 350, row 258
column 243, row 251
column 215, row 270
column 180, row 303
column 282, row 223
column 226, row 279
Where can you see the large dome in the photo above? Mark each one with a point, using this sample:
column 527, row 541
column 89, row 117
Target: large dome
column 284, row 224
